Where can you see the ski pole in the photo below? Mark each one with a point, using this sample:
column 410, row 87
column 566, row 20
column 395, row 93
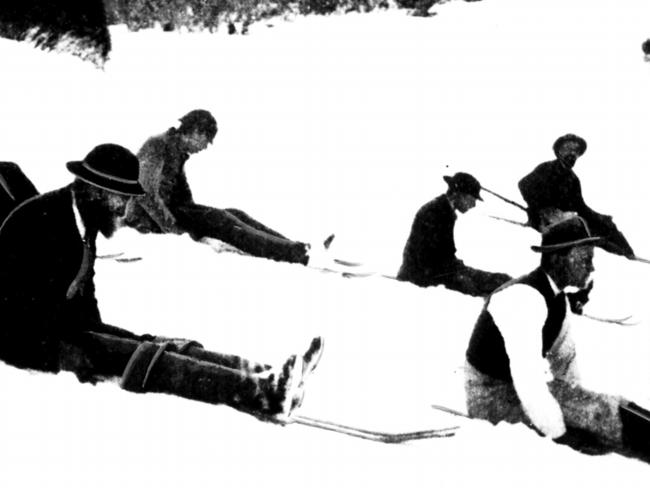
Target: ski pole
column 510, row 221
column 622, row 321
column 507, row 200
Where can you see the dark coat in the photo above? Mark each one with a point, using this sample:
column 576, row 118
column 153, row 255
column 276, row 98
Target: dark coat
column 40, row 254
column 15, row 188
column 430, row 249
column 553, row 185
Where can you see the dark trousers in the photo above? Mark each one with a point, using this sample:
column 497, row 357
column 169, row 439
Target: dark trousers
column 238, row 229
column 599, row 225
column 194, row 373
column 614, row 240
column 457, row 277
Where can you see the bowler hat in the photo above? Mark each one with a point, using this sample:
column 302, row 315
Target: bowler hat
column 464, row 183
column 582, row 144
column 111, row 167
column 567, row 233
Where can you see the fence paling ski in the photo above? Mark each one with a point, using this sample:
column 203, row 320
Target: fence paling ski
column 373, row 435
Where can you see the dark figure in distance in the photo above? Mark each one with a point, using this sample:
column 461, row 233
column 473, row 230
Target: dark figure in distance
column 553, row 189
column 429, row 256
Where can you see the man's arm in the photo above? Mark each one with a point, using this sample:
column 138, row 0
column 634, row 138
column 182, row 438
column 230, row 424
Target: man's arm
column 20, row 186
column 153, row 203
column 519, row 313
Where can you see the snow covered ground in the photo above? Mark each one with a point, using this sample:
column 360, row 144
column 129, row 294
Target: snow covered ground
column 342, row 124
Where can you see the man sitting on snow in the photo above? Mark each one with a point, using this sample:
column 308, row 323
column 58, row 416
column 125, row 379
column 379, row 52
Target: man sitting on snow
column 51, row 320
column 553, row 188
column 15, row 188
column 521, row 357
column 168, row 206
column 429, row 256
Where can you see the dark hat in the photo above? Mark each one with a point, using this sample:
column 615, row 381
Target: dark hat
column 464, row 183
column 110, row 167
column 199, row 119
column 582, row 144
column 567, row 233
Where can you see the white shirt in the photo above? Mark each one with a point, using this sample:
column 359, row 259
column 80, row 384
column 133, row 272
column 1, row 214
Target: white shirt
column 519, row 313
column 77, row 217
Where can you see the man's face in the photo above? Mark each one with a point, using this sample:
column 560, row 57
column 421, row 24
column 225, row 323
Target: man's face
column 579, row 266
column 111, row 212
column 197, row 141
column 464, row 202
column 568, row 153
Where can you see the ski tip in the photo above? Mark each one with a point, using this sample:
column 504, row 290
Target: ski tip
column 344, row 262
column 328, row 242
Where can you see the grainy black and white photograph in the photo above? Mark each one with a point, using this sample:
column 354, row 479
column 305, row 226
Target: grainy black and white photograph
column 324, row 243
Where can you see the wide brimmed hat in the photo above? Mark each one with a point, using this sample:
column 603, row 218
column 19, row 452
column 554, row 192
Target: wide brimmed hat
column 464, row 183
column 582, row 144
column 111, row 167
column 564, row 234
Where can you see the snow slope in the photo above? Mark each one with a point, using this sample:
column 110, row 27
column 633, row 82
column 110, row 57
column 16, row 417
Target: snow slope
column 343, row 124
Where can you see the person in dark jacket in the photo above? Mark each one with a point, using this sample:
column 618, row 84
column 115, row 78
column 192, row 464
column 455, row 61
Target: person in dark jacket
column 553, row 189
column 15, row 188
column 168, row 206
column 429, row 256
column 50, row 316
column 521, row 358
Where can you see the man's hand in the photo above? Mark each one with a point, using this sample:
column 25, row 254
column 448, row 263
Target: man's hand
column 579, row 299
column 583, row 441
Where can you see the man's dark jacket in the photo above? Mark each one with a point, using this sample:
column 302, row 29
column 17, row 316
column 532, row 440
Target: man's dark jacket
column 40, row 254
column 554, row 185
column 430, row 250
column 18, row 188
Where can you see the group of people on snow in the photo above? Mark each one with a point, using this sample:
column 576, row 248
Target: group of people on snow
column 520, row 358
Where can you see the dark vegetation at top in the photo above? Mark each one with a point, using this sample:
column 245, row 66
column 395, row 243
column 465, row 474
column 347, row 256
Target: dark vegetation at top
column 82, row 26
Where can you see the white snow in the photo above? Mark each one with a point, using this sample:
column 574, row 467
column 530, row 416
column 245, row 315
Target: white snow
column 341, row 124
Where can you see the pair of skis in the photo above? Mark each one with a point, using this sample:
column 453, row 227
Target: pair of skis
column 374, row 435
column 351, row 269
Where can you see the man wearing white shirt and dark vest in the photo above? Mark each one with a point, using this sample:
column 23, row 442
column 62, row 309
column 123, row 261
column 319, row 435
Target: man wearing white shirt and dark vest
column 521, row 356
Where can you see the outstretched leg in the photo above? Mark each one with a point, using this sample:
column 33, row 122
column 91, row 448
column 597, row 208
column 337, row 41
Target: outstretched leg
column 146, row 366
column 201, row 221
column 247, row 219
column 474, row 282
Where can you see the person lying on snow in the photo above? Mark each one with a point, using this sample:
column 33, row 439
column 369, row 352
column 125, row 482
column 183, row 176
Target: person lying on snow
column 51, row 321
column 521, row 358
column 429, row 257
column 168, row 206
column 15, row 188
column 553, row 188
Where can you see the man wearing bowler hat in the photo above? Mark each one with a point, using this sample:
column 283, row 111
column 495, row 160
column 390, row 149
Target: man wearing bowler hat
column 521, row 356
column 429, row 257
column 51, row 320
column 552, row 189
